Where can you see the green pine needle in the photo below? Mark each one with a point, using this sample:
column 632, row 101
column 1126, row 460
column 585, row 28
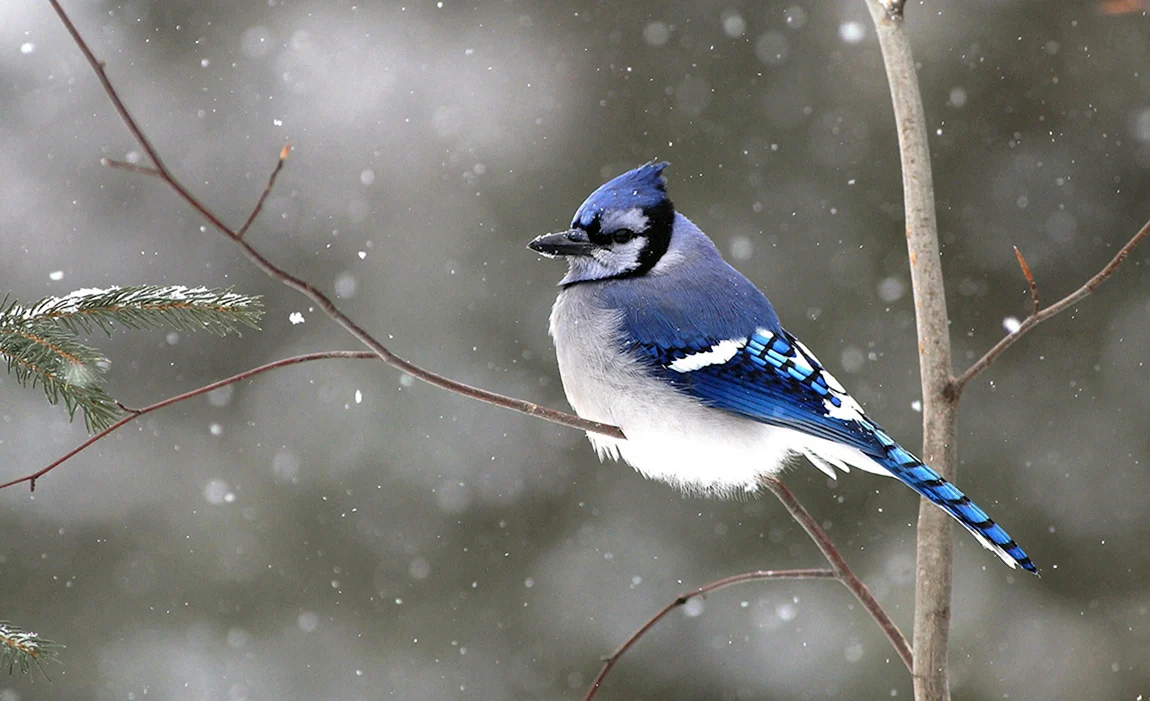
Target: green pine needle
column 145, row 307
column 21, row 650
column 40, row 353
column 40, row 345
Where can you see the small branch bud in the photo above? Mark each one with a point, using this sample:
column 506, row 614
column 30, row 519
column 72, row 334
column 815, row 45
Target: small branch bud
column 1029, row 278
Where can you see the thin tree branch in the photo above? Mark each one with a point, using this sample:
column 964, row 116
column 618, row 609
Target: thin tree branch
column 318, row 298
column 842, row 571
column 1036, row 317
column 839, row 571
column 933, row 568
column 755, row 576
column 267, row 189
column 133, row 414
column 1029, row 279
column 130, row 167
column 98, row 66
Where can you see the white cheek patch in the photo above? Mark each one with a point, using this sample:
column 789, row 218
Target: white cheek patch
column 717, row 354
column 603, row 263
column 632, row 219
column 621, row 257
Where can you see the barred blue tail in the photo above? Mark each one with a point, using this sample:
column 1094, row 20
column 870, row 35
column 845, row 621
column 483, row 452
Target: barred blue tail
column 913, row 473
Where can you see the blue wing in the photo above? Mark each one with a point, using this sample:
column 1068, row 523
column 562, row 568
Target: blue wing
column 772, row 378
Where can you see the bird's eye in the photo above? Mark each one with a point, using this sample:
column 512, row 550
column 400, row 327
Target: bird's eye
column 622, row 236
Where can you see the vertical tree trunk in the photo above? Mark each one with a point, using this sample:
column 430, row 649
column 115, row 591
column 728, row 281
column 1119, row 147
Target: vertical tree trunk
column 933, row 570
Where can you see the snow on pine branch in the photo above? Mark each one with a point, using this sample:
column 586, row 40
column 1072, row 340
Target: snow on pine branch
column 40, row 341
column 144, row 307
column 20, row 650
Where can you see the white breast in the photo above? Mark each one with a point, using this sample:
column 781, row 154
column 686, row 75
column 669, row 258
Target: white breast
column 670, row 435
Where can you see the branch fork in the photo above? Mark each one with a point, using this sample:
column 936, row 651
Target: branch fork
column 1037, row 315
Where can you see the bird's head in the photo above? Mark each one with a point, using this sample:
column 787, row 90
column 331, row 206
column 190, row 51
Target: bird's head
column 621, row 230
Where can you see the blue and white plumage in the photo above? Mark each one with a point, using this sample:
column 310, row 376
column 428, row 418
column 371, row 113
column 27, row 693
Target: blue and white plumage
column 657, row 334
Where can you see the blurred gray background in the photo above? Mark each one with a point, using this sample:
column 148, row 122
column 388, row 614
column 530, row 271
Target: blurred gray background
column 336, row 531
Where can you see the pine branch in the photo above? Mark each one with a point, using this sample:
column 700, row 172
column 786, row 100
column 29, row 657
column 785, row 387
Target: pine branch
column 145, row 307
column 40, row 345
column 40, row 353
column 20, row 650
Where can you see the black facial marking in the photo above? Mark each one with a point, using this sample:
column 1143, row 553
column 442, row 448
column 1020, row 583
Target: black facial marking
column 660, row 218
column 595, row 234
column 656, row 239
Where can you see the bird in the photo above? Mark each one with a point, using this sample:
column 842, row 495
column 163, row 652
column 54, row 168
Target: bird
column 655, row 333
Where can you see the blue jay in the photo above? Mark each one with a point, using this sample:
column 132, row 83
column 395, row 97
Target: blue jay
column 656, row 334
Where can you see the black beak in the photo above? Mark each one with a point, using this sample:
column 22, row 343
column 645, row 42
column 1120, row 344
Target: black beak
column 573, row 242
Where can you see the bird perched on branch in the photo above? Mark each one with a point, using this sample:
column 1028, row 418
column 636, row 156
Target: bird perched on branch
column 656, row 334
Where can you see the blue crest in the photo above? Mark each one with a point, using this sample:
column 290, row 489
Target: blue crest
column 642, row 187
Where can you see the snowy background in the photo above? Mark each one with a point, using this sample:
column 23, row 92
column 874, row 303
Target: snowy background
column 336, row 531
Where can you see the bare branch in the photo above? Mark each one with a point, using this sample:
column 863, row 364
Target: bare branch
column 1037, row 317
column 133, row 414
column 755, row 576
column 318, row 298
column 130, row 167
column 98, row 66
column 839, row 571
column 1029, row 279
column 267, row 189
column 842, row 572
column 934, row 557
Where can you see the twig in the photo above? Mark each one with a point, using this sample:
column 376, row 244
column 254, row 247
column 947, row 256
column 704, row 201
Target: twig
column 934, row 557
column 839, row 571
column 130, row 167
column 98, row 66
column 127, row 409
column 321, row 300
column 842, row 571
column 133, row 414
column 755, row 576
column 1036, row 317
column 1029, row 279
column 267, row 189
